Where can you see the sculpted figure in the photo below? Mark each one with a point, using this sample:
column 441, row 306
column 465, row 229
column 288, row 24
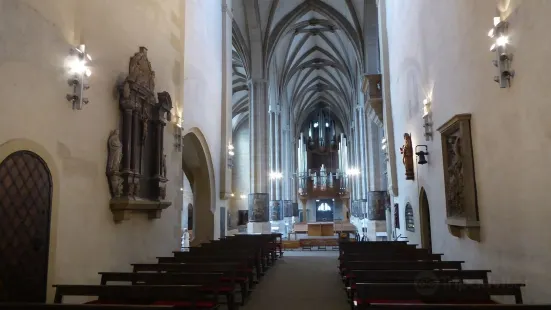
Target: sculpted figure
column 163, row 166
column 115, row 152
column 407, row 157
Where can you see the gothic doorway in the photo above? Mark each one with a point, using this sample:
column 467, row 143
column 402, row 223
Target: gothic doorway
column 25, row 211
column 424, row 210
column 198, row 168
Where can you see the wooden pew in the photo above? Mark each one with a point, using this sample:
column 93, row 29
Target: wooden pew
column 402, row 265
column 250, row 259
column 396, row 265
column 211, row 282
column 376, row 306
column 419, row 277
column 245, row 264
column 232, row 268
column 434, row 293
column 185, row 296
column 392, row 255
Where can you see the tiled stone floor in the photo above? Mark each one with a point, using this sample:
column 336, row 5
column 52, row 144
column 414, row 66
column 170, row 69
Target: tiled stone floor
column 301, row 280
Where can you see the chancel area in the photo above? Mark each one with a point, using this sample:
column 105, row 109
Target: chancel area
column 274, row 154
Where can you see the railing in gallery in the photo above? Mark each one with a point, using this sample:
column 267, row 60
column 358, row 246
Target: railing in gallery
column 316, row 180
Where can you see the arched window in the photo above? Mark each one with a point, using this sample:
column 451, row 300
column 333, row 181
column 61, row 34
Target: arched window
column 324, row 207
column 410, row 223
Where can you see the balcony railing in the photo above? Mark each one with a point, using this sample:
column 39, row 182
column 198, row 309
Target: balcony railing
column 322, row 183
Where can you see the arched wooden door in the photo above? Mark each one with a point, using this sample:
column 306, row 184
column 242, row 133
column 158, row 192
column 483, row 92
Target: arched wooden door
column 25, row 209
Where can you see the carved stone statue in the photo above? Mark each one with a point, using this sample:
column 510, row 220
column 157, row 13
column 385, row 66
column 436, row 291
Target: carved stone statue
column 115, row 152
column 407, row 157
column 114, row 159
column 140, row 71
column 163, row 166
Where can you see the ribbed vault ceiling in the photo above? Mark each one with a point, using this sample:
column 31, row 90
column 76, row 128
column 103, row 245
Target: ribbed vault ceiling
column 311, row 53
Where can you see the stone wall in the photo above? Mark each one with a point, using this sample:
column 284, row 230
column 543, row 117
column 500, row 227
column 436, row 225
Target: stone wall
column 35, row 38
column 441, row 48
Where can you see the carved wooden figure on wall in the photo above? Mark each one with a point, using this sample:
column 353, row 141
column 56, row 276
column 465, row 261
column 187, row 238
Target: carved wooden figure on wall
column 136, row 162
column 407, row 157
column 459, row 177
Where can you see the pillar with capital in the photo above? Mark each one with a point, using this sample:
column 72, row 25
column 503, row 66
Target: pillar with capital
column 259, row 209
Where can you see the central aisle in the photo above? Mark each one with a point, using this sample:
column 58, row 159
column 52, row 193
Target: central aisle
column 301, row 280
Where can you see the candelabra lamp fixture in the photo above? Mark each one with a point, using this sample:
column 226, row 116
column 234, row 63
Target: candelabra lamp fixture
column 79, row 71
column 421, row 155
column 427, row 118
column 503, row 58
column 230, row 155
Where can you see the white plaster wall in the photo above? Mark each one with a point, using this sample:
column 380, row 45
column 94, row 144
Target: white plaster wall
column 35, row 37
column 203, row 82
column 442, row 47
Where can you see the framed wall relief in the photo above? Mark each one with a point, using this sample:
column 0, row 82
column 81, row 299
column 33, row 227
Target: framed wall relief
column 136, row 162
column 377, row 202
column 459, row 177
column 410, row 219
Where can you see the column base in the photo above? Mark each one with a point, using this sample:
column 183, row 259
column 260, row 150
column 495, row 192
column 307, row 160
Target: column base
column 259, row 228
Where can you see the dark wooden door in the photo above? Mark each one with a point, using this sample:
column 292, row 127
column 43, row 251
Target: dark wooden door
column 25, row 208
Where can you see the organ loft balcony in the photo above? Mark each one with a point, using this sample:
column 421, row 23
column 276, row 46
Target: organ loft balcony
column 321, row 184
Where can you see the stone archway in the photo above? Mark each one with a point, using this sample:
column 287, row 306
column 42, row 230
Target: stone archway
column 424, row 217
column 197, row 165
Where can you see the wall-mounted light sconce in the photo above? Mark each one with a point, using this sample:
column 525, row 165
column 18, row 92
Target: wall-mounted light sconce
column 384, row 147
column 232, row 194
column 427, row 118
column 243, row 196
column 499, row 34
column 421, row 154
column 178, row 143
column 77, row 66
column 230, row 155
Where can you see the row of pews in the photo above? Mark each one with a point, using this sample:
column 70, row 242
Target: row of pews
column 396, row 275
column 221, row 272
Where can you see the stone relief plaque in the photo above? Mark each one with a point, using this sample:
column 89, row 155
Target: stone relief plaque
column 459, row 177
column 259, row 207
column 377, row 201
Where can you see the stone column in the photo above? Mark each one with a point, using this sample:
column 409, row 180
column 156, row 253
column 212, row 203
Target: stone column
column 277, row 151
column 226, row 104
column 363, row 165
column 258, row 122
